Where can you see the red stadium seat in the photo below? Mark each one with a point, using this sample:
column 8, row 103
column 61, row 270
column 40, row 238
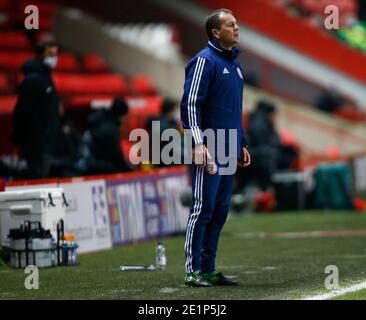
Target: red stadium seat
column 7, row 103
column 142, row 85
column 77, row 84
column 140, row 108
column 67, row 62
column 13, row 61
column 46, row 23
column 94, row 63
column 14, row 40
column 288, row 138
column 4, row 83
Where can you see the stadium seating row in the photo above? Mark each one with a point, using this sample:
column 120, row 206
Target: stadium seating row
column 85, row 84
column 72, row 84
column 67, row 62
column 144, row 106
column 14, row 40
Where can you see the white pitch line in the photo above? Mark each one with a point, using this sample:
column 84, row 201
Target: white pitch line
column 338, row 292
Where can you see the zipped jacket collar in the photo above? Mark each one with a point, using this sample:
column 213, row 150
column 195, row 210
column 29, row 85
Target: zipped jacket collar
column 228, row 54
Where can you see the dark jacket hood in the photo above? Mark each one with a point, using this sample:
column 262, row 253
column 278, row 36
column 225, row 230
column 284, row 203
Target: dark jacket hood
column 34, row 66
column 101, row 117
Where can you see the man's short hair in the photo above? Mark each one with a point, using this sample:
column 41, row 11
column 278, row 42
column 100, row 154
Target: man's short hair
column 119, row 107
column 168, row 106
column 213, row 21
column 266, row 106
column 42, row 46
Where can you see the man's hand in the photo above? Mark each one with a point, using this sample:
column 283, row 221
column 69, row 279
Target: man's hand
column 244, row 160
column 201, row 155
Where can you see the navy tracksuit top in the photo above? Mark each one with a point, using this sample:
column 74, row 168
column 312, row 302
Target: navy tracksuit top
column 213, row 94
column 212, row 98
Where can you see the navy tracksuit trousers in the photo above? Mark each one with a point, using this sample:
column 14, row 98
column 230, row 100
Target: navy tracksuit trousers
column 211, row 201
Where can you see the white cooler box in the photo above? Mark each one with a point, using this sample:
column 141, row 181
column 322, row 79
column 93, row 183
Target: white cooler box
column 44, row 205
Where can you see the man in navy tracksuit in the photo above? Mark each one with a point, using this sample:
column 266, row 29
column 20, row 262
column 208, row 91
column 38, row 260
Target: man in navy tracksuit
column 212, row 99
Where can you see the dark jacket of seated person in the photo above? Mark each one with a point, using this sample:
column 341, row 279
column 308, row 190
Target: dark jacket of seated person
column 105, row 151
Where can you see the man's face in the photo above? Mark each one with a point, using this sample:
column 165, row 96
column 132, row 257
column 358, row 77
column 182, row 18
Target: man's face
column 228, row 34
column 50, row 57
column 50, row 52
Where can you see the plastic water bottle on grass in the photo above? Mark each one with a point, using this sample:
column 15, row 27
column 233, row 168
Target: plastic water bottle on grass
column 160, row 257
column 73, row 247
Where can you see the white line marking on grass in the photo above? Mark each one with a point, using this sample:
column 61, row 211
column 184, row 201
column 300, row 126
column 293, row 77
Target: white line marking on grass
column 168, row 290
column 269, row 268
column 338, row 292
column 248, row 272
column 304, row 234
column 231, row 277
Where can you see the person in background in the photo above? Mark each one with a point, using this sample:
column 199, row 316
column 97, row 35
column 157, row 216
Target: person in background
column 167, row 120
column 104, row 154
column 68, row 150
column 264, row 142
column 36, row 117
column 268, row 151
column 329, row 100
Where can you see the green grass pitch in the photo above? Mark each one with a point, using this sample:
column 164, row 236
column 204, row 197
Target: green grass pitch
column 270, row 254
